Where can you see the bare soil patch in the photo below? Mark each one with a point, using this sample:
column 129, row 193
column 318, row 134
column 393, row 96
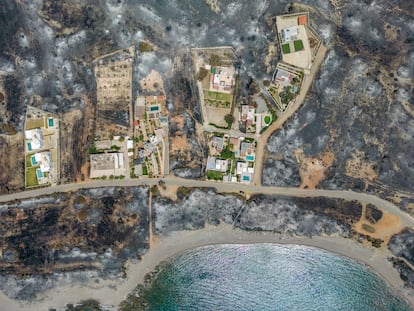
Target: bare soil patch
column 11, row 163
column 312, row 170
column 357, row 167
column 169, row 191
column 152, row 82
column 383, row 229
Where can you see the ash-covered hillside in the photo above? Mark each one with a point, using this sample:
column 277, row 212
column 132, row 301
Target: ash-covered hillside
column 70, row 237
column 360, row 109
column 293, row 216
column 47, row 48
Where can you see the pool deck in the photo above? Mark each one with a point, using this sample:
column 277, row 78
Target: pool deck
column 48, row 124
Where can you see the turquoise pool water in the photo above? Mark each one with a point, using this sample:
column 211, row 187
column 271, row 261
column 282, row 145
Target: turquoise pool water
column 245, row 178
column 250, row 158
column 33, row 159
column 39, row 173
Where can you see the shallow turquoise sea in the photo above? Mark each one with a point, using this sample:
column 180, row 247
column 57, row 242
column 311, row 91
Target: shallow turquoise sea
column 268, row 277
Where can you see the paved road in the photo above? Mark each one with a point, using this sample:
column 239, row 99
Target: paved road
column 223, row 187
column 284, row 116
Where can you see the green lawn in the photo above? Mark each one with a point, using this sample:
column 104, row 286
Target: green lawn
column 227, row 154
column 298, row 44
column 267, row 119
column 217, row 99
column 286, row 48
column 220, row 96
column 144, row 170
column 29, row 160
column 31, row 179
column 215, row 175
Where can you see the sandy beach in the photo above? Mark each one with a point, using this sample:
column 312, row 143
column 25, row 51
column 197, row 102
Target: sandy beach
column 111, row 293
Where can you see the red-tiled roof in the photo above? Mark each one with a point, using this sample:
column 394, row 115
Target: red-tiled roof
column 302, row 20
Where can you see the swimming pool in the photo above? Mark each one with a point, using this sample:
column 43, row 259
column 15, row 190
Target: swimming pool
column 33, row 159
column 29, row 146
column 39, row 173
column 250, row 158
column 51, row 122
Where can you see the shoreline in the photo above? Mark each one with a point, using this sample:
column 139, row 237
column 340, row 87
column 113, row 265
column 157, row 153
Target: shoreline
column 110, row 293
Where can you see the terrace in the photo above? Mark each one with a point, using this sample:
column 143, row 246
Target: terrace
column 107, row 164
column 228, row 165
column 151, row 132
column 285, row 86
column 41, row 147
column 294, row 42
column 222, row 79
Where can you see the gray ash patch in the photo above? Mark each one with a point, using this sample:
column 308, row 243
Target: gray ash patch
column 373, row 214
column 307, row 217
column 194, row 211
column 284, row 172
column 402, row 246
column 358, row 108
column 67, row 238
column 187, row 164
column 295, row 216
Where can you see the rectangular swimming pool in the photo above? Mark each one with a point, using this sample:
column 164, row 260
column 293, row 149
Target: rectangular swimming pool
column 250, row 158
column 39, row 173
column 33, row 159
column 51, row 122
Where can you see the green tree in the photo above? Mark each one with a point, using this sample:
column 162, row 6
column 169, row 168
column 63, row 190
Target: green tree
column 229, row 120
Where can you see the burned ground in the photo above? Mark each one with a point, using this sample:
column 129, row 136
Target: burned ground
column 299, row 216
column 360, row 109
column 373, row 214
column 12, row 174
column 67, row 18
column 90, row 230
column 296, row 216
column 402, row 246
column 193, row 211
column 186, row 158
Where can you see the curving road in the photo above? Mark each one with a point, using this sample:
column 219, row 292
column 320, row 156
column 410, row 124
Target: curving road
column 349, row 195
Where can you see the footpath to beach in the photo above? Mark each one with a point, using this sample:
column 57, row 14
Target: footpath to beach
column 111, row 293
